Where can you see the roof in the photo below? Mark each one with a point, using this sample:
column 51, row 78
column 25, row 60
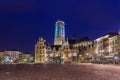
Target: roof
column 27, row 53
column 12, row 49
column 111, row 34
column 56, row 47
column 83, row 39
column 72, row 41
column 108, row 35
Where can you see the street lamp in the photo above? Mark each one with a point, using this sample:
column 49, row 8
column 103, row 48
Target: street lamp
column 102, row 56
column 51, row 57
column 102, row 52
column 87, row 57
column 87, row 54
column 80, row 58
column 74, row 56
column 116, row 59
column 56, row 55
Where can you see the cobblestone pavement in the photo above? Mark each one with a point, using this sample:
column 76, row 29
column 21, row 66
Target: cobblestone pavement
column 59, row 72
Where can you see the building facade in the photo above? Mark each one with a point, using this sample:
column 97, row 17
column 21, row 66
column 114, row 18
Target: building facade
column 103, row 45
column 13, row 54
column 1, row 56
column 40, row 51
column 48, row 52
column 107, row 45
column 67, row 54
column 84, row 46
column 113, row 45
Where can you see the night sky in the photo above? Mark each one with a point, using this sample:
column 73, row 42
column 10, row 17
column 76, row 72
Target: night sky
column 22, row 22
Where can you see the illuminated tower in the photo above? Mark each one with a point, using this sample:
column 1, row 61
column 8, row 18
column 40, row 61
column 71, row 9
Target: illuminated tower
column 59, row 33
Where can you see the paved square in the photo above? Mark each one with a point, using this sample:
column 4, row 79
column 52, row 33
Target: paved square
column 59, row 72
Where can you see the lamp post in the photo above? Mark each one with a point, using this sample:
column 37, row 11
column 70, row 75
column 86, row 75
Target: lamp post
column 57, row 58
column 80, row 58
column 48, row 56
column 51, row 57
column 116, row 59
column 101, row 56
column 102, row 52
column 62, row 58
column 87, row 56
column 74, row 56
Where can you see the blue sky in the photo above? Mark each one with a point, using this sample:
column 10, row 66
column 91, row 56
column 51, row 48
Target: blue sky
column 23, row 22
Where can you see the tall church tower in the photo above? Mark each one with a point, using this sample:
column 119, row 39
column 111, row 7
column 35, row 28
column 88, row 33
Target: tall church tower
column 59, row 33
